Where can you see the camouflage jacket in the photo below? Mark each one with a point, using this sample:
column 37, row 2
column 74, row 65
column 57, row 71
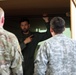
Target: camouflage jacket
column 58, row 54
column 10, row 54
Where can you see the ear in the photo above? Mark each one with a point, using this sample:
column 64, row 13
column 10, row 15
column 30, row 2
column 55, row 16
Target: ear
column 2, row 21
column 51, row 30
column 64, row 28
column 29, row 25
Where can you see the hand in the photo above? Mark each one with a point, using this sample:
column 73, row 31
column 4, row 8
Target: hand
column 28, row 39
column 45, row 17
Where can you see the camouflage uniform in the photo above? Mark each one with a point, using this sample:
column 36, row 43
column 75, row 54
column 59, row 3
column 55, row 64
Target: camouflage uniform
column 10, row 54
column 59, row 54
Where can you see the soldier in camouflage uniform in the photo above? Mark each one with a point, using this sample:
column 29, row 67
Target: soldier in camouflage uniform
column 57, row 56
column 10, row 52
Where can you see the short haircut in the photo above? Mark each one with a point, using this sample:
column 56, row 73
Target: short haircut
column 24, row 19
column 57, row 24
column 1, row 12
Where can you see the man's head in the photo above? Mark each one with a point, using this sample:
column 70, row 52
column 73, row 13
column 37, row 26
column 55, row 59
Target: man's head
column 1, row 17
column 57, row 25
column 25, row 25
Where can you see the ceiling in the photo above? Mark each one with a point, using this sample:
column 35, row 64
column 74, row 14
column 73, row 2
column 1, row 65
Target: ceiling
column 34, row 7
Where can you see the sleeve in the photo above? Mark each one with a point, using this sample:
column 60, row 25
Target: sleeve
column 41, row 61
column 17, row 58
column 22, row 45
column 45, row 35
column 21, row 42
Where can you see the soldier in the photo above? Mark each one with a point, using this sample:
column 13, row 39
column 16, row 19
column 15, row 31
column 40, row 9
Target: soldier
column 10, row 52
column 58, row 54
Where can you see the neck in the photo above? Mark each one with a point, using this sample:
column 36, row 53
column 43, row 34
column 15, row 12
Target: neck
column 26, row 32
column 53, row 33
column 1, row 25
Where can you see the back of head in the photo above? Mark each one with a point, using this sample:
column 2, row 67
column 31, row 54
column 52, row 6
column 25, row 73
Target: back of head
column 1, row 17
column 57, row 24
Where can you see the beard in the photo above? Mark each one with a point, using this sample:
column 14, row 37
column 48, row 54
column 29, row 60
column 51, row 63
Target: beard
column 25, row 30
